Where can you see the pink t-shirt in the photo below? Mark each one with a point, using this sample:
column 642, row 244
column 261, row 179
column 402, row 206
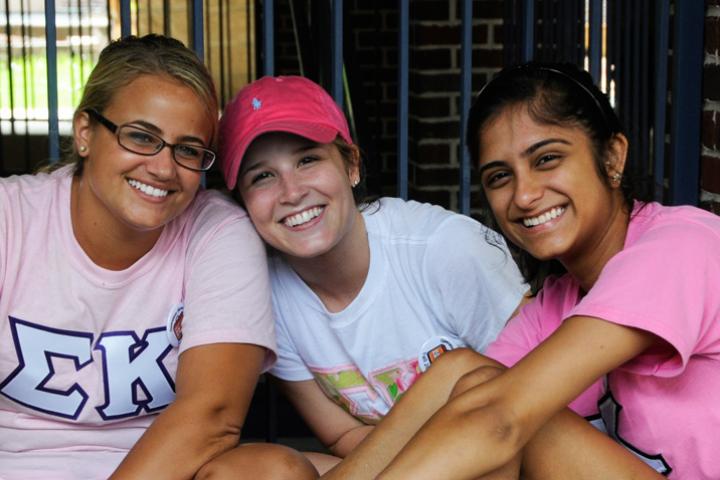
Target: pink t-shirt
column 663, row 406
column 86, row 360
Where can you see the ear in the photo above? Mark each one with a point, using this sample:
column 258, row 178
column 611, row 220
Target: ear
column 82, row 133
column 354, row 166
column 616, row 156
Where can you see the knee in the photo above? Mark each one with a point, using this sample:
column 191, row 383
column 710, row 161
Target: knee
column 474, row 378
column 261, row 462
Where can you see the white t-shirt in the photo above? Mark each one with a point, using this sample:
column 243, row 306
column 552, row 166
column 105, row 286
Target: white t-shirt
column 86, row 361
column 435, row 283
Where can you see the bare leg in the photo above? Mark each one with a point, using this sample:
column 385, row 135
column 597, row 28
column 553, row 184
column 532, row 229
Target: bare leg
column 424, row 398
column 259, row 461
column 322, row 461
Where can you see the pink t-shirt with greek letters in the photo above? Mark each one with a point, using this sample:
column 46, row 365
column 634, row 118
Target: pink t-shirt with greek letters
column 663, row 406
column 86, row 358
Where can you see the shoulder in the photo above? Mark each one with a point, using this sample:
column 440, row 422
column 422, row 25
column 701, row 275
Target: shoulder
column 20, row 186
column 680, row 228
column 415, row 220
column 212, row 211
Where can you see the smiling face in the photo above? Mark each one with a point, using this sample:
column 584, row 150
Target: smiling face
column 299, row 194
column 127, row 193
column 545, row 191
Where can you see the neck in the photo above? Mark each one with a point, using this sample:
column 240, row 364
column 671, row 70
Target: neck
column 586, row 268
column 338, row 275
column 107, row 243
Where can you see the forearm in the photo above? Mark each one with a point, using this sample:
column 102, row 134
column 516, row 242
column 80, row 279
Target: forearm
column 426, row 396
column 181, row 439
column 350, row 440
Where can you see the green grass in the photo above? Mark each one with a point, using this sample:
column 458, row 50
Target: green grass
column 29, row 80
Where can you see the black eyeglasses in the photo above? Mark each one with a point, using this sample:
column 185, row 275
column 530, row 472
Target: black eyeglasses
column 137, row 140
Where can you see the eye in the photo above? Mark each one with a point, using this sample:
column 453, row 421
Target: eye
column 188, row 151
column 547, row 159
column 139, row 137
column 496, row 179
column 259, row 177
column 308, row 159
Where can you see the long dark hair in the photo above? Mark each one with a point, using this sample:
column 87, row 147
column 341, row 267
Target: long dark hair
column 556, row 94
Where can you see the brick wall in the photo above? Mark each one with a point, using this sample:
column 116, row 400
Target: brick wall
column 710, row 162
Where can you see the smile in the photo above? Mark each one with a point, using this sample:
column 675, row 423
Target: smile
column 147, row 189
column 544, row 218
column 302, row 217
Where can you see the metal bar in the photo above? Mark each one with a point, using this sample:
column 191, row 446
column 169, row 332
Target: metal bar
column 125, row 18
column 637, row 87
column 686, row 101
column 51, row 56
column 528, row 43
column 150, row 22
column 11, row 83
column 268, row 38
column 137, row 17
column 644, row 48
column 595, row 39
column 403, row 87
column 167, row 29
column 198, row 38
column 465, row 93
column 662, row 21
column 26, row 84
column 336, row 78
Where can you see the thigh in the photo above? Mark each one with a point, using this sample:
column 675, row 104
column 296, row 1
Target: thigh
column 568, row 447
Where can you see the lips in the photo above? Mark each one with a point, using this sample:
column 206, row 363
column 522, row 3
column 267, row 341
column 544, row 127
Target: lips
column 545, row 217
column 303, row 217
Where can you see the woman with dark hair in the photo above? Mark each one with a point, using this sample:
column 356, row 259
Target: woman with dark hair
column 625, row 326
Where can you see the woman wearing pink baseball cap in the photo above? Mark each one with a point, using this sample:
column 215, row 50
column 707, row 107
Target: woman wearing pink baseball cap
column 366, row 297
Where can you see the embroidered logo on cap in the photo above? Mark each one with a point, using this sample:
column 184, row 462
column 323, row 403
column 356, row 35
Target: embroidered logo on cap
column 256, row 104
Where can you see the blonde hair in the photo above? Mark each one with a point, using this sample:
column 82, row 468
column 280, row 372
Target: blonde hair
column 128, row 58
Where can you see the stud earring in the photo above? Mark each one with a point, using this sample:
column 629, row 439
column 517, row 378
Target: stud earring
column 82, row 149
column 355, row 182
column 616, row 178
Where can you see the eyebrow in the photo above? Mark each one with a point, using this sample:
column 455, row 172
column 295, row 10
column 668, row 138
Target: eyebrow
column 154, row 129
column 526, row 153
column 310, row 145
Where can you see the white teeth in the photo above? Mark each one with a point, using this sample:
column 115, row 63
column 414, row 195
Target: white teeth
column 543, row 218
column 147, row 189
column 302, row 217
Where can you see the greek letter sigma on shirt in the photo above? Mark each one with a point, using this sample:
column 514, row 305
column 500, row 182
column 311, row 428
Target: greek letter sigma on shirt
column 51, row 365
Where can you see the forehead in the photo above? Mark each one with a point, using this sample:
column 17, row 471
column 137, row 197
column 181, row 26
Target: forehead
column 514, row 130
column 162, row 101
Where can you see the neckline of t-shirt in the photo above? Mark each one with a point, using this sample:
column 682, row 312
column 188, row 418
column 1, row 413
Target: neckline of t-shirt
column 374, row 283
column 93, row 272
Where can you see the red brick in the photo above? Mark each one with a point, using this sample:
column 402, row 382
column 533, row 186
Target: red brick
column 711, row 129
column 712, row 34
column 710, row 174
column 430, row 107
column 711, row 82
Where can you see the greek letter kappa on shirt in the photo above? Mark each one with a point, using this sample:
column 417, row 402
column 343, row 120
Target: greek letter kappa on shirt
column 134, row 378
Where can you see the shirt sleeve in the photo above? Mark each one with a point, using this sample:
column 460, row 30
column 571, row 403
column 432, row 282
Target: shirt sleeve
column 474, row 279
column 227, row 292
column 665, row 283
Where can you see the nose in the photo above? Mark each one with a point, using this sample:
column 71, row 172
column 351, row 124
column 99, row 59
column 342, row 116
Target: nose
column 162, row 165
column 293, row 189
column 528, row 190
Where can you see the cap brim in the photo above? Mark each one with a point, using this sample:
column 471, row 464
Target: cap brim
column 317, row 132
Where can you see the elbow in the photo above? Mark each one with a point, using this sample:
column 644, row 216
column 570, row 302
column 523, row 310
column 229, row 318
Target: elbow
column 494, row 427
column 221, row 425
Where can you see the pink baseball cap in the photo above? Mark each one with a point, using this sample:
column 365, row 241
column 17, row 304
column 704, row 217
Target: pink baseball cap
column 277, row 104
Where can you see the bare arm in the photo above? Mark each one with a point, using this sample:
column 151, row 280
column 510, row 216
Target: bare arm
column 339, row 431
column 488, row 425
column 214, row 386
column 425, row 397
